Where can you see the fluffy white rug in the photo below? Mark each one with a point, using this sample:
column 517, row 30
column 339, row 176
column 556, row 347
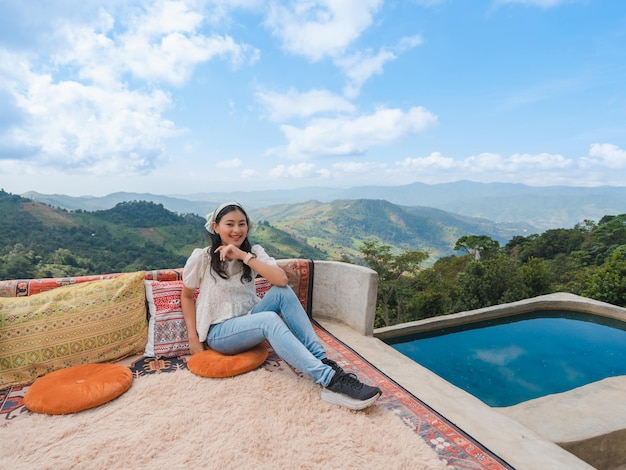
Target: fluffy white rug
column 177, row 420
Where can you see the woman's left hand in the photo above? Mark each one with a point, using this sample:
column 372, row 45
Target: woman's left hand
column 229, row 252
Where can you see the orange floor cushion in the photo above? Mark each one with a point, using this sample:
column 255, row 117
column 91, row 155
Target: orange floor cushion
column 211, row 363
column 77, row 388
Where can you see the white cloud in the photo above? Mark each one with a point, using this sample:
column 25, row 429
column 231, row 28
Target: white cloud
column 159, row 44
column 317, row 29
column 357, row 168
column 293, row 104
column 81, row 128
column 360, row 66
column 354, row 135
column 234, row 163
column 78, row 110
column 434, row 160
column 515, row 163
column 607, row 155
column 542, row 161
column 538, row 169
column 250, row 173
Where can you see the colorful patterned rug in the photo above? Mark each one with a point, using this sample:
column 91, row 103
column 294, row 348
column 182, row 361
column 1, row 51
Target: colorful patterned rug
column 452, row 445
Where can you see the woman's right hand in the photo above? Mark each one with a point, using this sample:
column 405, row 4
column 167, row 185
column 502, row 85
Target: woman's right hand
column 195, row 346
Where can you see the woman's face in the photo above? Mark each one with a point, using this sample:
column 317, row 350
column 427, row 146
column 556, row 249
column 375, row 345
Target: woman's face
column 232, row 228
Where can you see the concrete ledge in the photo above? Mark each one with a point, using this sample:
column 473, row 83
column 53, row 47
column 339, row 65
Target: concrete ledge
column 558, row 301
column 589, row 421
column 345, row 293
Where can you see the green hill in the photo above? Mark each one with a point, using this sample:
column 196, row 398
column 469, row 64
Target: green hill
column 341, row 227
column 281, row 244
column 40, row 241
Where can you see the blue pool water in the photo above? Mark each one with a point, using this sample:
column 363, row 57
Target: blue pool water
column 507, row 361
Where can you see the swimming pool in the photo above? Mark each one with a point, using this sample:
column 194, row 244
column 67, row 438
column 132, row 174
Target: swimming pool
column 508, row 360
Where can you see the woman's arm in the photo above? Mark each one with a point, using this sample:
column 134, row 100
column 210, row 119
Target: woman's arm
column 188, row 307
column 274, row 274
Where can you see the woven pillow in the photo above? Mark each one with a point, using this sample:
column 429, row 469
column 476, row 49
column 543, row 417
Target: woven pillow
column 91, row 322
column 77, row 388
column 211, row 363
column 167, row 331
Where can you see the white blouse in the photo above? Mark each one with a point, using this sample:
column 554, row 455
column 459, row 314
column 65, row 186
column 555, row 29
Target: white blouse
column 220, row 299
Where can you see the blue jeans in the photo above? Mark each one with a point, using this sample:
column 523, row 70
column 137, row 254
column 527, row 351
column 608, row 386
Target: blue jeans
column 280, row 319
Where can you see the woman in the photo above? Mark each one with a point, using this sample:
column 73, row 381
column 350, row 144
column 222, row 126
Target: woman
column 229, row 318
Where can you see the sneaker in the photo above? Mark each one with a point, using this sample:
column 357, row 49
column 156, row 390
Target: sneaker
column 347, row 390
column 329, row 362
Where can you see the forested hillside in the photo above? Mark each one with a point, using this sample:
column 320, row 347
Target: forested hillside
column 341, row 227
column 588, row 259
column 40, row 241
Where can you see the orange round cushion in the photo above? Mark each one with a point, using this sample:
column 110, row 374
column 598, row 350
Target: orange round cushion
column 211, row 363
column 77, row 388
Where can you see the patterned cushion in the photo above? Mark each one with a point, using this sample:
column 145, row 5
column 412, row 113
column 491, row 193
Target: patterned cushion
column 26, row 287
column 167, row 332
column 300, row 276
column 77, row 388
column 83, row 323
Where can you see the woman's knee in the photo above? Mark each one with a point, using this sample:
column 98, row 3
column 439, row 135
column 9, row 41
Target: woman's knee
column 281, row 291
column 271, row 322
column 285, row 294
column 268, row 318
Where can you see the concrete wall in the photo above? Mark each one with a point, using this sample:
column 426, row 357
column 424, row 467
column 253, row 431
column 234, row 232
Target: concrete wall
column 345, row 293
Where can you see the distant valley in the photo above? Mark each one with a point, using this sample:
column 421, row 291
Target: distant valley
column 511, row 208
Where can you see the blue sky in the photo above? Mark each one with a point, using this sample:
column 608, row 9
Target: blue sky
column 186, row 96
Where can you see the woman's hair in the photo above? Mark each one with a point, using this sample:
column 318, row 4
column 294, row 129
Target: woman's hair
column 216, row 241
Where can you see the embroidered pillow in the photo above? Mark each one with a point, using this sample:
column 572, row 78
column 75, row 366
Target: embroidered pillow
column 167, row 332
column 90, row 322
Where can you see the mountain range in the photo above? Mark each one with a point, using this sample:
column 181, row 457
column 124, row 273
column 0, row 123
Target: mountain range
column 340, row 227
column 515, row 208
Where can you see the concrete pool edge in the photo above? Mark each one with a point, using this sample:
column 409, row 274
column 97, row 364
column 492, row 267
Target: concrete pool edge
column 593, row 431
column 519, row 446
column 598, row 432
column 558, row 301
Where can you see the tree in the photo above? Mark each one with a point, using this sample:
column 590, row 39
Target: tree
column 489, row 282
column 18, row 263
column 608, row 283
column 477, row 245
column 437, row 289
column 393, row 271
column 536, row 277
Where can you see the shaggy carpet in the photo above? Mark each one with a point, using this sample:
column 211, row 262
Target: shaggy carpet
column 259, row 420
